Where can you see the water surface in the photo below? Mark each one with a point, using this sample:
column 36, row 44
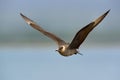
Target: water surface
column 44, row 63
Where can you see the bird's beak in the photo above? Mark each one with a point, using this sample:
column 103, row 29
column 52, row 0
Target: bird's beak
column 56, row 50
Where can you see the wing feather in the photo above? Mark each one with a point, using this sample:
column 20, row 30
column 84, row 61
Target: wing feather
column 37, row 27
column 83, row 33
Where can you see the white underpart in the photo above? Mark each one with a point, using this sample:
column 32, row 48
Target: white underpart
column 63, row 48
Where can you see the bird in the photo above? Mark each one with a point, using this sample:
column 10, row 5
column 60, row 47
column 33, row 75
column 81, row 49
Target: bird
column 64, row 48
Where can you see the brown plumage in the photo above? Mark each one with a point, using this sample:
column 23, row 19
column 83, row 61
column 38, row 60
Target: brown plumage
column 66, row 49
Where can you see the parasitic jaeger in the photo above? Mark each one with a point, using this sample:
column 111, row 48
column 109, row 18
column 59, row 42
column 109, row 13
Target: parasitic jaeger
column 68, row 49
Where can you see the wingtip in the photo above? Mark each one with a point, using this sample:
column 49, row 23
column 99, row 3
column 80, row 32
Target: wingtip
column 108, row 11
column 21, row 14
column 29, row 21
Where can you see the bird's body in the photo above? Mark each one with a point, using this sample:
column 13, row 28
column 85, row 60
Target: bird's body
column 66, row 49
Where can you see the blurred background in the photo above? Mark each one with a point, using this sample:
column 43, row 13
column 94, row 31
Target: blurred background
column 26, row 54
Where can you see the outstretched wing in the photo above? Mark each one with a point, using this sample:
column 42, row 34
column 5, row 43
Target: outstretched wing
column 82, row 34
column 37, row 27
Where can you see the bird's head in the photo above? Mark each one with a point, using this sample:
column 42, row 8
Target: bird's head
column 61, row 49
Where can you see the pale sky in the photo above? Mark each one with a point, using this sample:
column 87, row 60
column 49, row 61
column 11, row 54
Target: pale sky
column 58, row 16
column 57, row 12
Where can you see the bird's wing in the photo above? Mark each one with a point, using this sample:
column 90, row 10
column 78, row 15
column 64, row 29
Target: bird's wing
column 37, row 27
column 82, row 34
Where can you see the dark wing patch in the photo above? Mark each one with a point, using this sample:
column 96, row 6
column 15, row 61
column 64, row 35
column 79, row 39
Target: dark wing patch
column 82, row 34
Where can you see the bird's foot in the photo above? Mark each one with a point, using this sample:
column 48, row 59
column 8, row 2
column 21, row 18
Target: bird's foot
column 80, row 54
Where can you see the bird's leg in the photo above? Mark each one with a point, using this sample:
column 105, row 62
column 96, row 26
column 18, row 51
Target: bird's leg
column 80, row 54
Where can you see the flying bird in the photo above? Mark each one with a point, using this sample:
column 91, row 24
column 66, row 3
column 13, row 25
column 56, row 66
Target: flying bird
column 64, row 48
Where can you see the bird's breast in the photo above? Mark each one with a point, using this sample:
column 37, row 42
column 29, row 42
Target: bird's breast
column 68, row 52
